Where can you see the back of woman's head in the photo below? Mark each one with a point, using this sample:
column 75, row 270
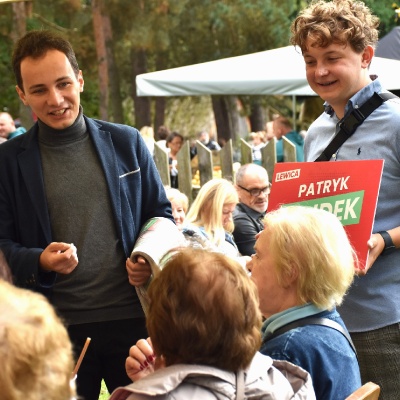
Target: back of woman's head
column 314, row 242
column 207, row 208
column 35, row 350
column 204, row 310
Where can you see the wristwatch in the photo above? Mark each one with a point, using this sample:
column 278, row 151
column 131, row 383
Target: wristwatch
column 388, row 242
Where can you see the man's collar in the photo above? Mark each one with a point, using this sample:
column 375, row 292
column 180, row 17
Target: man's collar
column 250, row 211
column 358, row 98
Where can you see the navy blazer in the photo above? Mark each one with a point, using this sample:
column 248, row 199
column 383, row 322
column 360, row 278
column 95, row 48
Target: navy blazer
column 135, row 190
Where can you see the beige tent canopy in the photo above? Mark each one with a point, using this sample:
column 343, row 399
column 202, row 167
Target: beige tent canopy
column 279, row 71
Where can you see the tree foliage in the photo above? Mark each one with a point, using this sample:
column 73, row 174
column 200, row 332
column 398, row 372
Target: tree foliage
column 160, row 34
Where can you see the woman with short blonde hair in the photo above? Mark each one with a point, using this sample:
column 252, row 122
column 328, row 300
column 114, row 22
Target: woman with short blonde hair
column 315, row 244
column 303, row 266
column 179, row 205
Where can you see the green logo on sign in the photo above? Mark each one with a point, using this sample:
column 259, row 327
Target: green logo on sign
column 347, row 207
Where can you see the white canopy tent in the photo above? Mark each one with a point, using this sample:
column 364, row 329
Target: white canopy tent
column 279, row 71
column 389, row 45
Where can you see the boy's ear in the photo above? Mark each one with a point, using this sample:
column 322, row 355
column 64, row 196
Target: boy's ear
column 367, row 55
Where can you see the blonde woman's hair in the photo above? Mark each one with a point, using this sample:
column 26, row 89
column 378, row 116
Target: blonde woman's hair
column 35, row 350
column 176, row 195
column 147, row 132
column 313, row 242
column 258, row 134
column 206, row 210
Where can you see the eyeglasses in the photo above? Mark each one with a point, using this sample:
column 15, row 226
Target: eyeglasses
column 257, row 192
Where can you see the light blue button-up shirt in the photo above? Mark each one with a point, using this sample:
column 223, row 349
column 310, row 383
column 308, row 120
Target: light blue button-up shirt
column 373, row 300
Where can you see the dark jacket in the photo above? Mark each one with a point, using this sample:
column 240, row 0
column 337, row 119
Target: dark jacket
column 135, row 190
column 247, row 224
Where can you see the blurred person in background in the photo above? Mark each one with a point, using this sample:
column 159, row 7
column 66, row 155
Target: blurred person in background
column 179, row 204
column 174, row 143
column 256, row 146
column 8, row 130
column 204, row 138
column 253, row 188
column 147, row 133
column 283, row 128
column 209, row 221
column 162, row 134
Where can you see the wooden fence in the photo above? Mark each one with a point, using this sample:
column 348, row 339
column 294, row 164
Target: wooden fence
column 209, row 164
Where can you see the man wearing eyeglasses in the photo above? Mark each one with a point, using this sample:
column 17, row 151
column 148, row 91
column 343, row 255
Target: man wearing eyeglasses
column 253, row 187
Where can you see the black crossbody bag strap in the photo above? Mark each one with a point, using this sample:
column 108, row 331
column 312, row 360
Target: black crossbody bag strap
column 349, row 124
column 311, row 321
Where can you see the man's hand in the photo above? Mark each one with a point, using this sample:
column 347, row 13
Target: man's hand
column 59, row 257
column 139, row 271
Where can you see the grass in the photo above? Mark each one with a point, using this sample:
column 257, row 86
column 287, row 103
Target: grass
column 104, row 395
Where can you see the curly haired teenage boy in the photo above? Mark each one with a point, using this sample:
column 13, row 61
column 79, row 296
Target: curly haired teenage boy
column 337, row 40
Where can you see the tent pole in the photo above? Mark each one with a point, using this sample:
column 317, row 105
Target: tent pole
column 294, row 111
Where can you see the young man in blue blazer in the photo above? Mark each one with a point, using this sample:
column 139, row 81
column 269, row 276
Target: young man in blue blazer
column 74, row 194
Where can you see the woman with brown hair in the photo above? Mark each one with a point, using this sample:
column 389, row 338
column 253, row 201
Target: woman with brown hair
column 204, row 324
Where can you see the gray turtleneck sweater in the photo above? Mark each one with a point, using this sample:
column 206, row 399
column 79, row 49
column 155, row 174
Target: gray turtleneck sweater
column 80, row 212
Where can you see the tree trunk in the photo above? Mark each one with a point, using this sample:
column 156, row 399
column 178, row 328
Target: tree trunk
column 101, row 57
column 221, row 117
column 226, row 117
column 20, row 11
column 142, row 104
column 19, row 21
column 234, row 117
column 159, row 117
column 257, row 117
column 115, row 94
column 160, row 112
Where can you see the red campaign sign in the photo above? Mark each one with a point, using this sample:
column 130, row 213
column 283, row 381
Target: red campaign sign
column 348, row 189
